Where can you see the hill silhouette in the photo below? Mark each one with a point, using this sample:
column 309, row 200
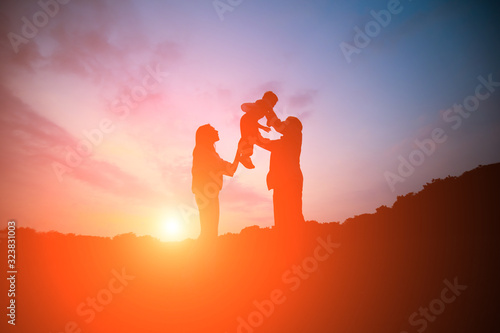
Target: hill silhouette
column 428, row 263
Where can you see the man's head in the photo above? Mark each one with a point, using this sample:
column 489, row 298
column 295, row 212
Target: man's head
column 293, row 124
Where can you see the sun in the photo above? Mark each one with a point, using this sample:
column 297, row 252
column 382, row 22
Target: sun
column 171, row 229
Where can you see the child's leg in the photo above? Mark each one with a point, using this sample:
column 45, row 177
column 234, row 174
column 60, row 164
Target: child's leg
column 246, row 150
column 246, row 147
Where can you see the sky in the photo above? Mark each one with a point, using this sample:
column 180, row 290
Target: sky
column 101, row 99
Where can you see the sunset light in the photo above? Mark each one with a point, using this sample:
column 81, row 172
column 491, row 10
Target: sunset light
column 249, row 166
column 172, row 230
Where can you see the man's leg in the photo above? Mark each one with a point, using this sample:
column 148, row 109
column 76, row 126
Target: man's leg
column 296, row 207
column 280, row 213
column 294, row 219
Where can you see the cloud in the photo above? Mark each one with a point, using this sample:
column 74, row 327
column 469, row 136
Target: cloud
column 302, row 99
column 112, row 179
column 97, row 40
column 242, row 198
column 31, row 144
column 275, row 86
column 25, row 133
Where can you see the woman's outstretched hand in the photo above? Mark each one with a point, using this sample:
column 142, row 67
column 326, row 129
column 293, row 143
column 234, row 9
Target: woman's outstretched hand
column 237, row 156
column 235, row 163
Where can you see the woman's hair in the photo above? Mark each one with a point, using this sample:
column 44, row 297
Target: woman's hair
column 204, row 136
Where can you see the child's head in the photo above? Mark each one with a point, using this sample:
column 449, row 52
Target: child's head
column 270, row 98
column 262, row 110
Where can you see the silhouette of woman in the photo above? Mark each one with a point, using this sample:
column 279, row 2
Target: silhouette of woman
column 208, row 170
column 285, row 176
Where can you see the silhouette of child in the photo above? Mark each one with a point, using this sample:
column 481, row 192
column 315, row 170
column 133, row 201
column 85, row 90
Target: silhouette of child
column 249, row 125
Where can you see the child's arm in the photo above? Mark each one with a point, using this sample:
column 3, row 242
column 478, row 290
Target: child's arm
column 247, row 107
column 274, row 121
column 265, row 128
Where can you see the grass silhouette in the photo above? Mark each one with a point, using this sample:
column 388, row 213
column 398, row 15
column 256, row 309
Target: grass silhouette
column 389, row 265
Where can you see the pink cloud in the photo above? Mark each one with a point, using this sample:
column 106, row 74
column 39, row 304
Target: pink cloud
column 32, row 143
column 302, row 99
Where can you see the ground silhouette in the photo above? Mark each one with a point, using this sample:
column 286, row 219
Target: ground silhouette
column 378, row 271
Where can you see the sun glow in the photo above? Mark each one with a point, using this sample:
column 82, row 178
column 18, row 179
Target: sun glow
column 172, row 230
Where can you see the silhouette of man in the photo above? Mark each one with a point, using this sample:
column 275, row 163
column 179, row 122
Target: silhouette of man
column 285, row 176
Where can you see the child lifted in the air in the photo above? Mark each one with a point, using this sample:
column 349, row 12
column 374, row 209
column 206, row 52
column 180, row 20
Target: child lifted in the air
column 249, row 125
